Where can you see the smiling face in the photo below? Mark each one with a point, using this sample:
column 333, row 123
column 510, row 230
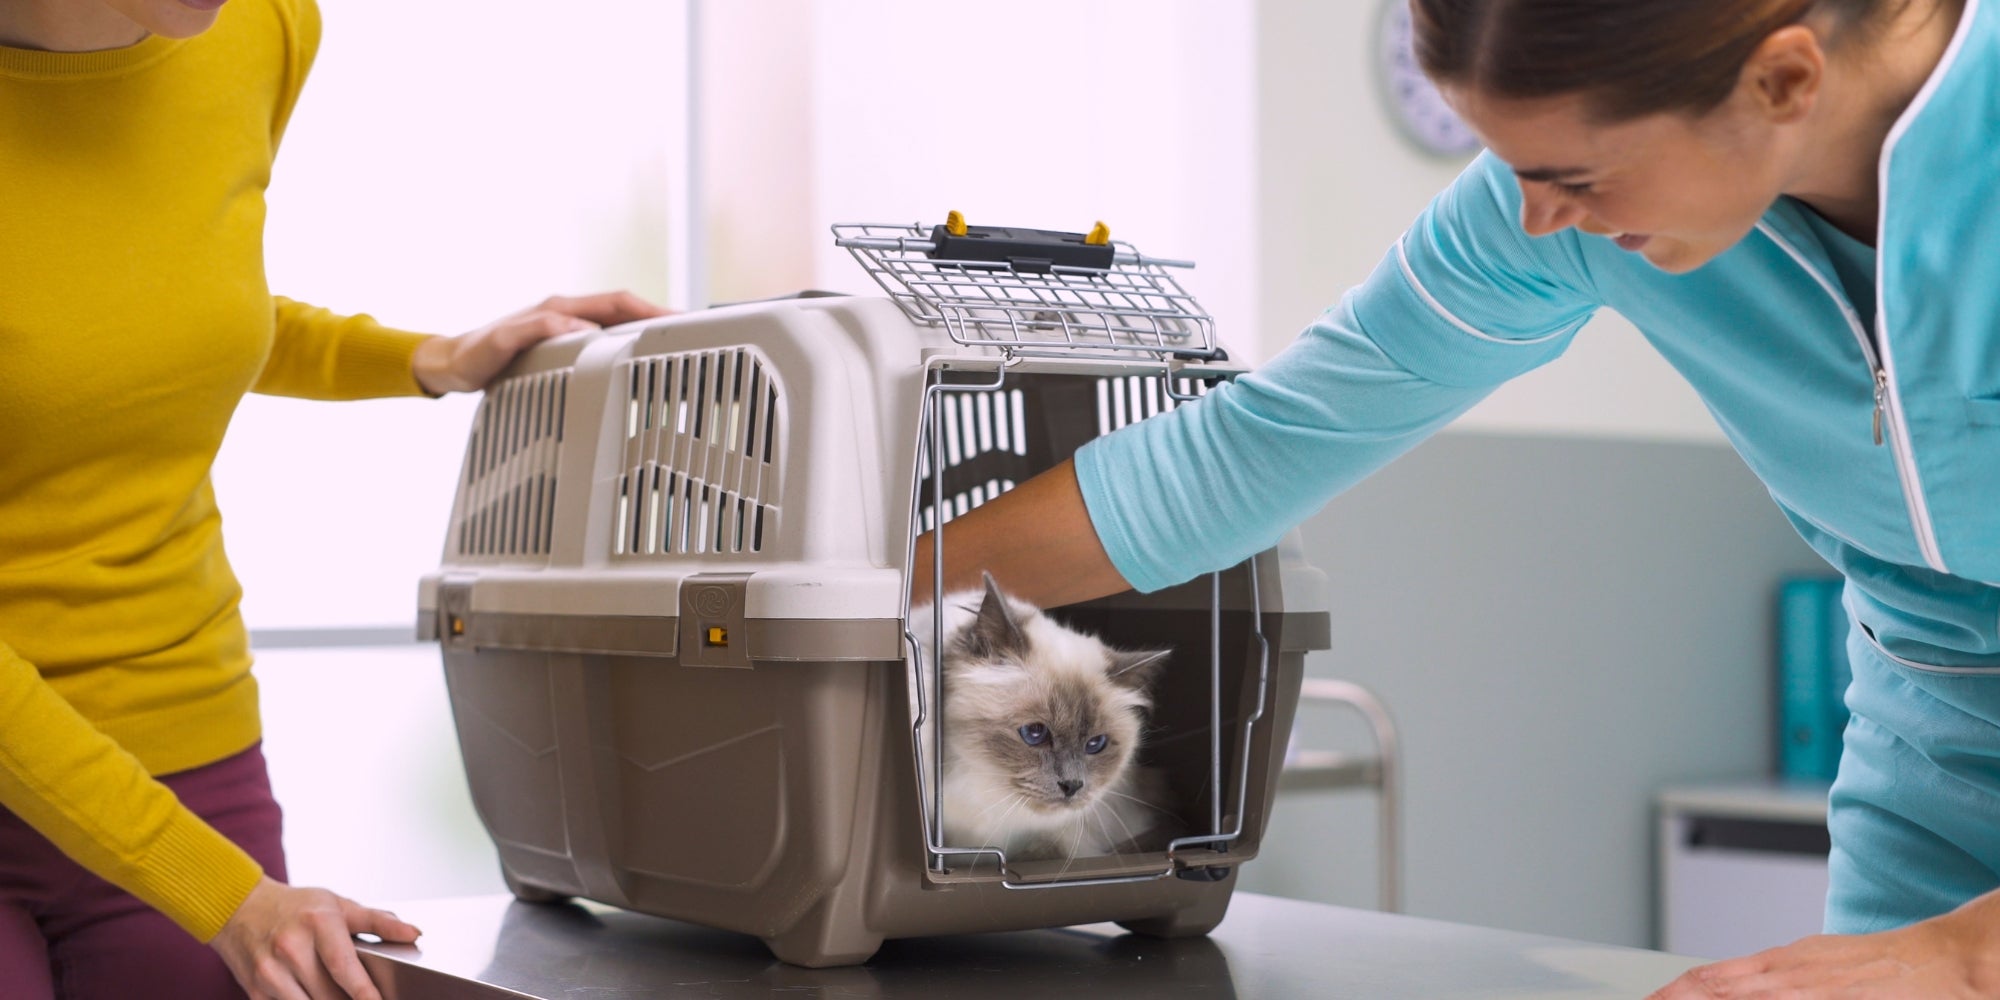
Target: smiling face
column 1676, row 188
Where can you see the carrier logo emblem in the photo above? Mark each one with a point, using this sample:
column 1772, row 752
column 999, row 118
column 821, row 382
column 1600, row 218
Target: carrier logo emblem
column 711, row 602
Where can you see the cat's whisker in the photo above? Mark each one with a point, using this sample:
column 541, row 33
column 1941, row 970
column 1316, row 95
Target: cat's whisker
column 1103, row 832
column 1156, row 808
column 1001, row 823
column 1130, row 837
column 1016, row 799
column 1074, row 843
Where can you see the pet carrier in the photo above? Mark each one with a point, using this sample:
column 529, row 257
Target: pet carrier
column 674, row 616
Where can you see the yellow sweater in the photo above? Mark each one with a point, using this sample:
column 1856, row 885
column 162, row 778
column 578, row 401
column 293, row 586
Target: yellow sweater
column 133, row 317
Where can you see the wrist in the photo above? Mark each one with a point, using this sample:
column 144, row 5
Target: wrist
column 430, row 365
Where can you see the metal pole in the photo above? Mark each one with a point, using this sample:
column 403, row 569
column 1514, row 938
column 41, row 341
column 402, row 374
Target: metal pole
column 932, row 412
column 1215, row 707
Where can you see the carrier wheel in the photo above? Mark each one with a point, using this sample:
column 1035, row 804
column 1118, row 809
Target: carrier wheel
column 531, row 893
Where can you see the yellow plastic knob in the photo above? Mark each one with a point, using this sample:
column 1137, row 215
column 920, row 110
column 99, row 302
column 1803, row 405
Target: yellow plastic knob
column 954, row 223
column 1100, row 234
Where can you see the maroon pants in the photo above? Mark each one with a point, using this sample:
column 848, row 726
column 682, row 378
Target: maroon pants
column 65, row 933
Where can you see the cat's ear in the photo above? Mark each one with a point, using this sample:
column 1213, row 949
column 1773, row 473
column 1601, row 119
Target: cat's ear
column 1139, row 669
column 995, row 632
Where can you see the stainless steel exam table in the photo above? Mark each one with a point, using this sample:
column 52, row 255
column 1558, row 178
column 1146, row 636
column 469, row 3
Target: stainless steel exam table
column 493, row 947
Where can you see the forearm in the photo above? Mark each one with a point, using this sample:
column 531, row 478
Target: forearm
column 96, row 802
column 1036, row 540
column 317, row 354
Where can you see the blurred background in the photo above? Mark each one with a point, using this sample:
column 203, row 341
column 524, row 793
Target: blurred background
column 1564, row 599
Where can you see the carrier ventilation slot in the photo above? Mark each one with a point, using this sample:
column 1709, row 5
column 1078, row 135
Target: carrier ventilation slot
column 701, row 453
column 1126, row 400
column 985, row 436
column 510, row 468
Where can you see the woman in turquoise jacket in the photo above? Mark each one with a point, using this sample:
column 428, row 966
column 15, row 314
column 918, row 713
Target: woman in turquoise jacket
column 1793, row 201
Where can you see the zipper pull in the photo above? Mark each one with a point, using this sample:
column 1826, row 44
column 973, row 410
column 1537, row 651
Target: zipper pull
column 1881, row 400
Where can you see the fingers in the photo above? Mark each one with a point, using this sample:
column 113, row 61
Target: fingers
column 273, row 979
column 529, row 329
column 471, row 361
column 333, row 939
column 1692, row 985
column 307, row 954
column 381, row 923
column 604, row 308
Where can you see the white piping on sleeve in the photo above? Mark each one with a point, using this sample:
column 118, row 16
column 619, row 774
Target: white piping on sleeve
column 1403, row 259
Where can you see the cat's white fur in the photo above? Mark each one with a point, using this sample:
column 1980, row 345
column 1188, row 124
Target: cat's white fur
column 984, row 804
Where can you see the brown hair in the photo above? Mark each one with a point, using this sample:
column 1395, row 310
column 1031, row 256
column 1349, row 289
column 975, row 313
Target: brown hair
column 1627, row 57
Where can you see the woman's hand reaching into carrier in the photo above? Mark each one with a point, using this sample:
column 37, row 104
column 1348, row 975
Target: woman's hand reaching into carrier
column 467, row 362
column 287, row 943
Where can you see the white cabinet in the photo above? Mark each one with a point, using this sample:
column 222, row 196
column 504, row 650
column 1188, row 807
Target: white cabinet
column 1742, row 867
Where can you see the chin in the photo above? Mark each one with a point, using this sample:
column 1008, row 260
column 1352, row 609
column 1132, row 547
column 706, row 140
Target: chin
column 172, row 18
column 1677, row 258
column 1060, row 807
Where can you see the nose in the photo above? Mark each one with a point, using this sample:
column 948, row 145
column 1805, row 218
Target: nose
column 1544, row 211
column 1069, row 786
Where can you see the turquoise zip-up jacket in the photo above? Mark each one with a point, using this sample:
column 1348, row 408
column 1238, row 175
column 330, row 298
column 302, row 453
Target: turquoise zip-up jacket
column 1764, row 332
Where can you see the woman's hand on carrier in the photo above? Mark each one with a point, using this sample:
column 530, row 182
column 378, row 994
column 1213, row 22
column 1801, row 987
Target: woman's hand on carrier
column 287, row 943
column 467, row 362
column 1945, row 957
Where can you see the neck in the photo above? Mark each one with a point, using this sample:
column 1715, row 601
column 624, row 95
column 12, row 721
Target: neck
column 1869, row 84
column 66, row 26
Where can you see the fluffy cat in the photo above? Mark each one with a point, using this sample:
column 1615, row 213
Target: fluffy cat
column 1042, row 733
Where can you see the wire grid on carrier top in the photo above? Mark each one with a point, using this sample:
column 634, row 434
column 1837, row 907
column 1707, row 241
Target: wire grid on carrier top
column 1132, row 307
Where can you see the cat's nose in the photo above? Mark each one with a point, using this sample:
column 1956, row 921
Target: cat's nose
column 1070, row 786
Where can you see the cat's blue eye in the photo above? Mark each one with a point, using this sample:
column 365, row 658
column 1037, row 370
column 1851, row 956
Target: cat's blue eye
column 1035, row 734
column 1095, row 744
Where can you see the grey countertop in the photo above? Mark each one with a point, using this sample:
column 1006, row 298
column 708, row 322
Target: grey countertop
column 491, row 947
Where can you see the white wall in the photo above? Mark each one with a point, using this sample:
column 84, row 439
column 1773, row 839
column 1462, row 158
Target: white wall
column 1338, row 186
column 1043, row 114
column 365, row 763
column 448, row 164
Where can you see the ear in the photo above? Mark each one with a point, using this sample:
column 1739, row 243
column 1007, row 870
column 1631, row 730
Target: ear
column 995, row 632
column 1783, row 76
column 1138, row 670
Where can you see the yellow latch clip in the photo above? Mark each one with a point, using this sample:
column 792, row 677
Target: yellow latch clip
column 1100, row 235
column 954, row 223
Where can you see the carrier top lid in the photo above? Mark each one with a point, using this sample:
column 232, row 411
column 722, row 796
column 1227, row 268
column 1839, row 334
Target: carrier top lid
column 1034, row 292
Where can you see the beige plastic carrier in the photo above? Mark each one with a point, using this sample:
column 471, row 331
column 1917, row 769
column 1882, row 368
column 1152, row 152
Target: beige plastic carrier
column 672, row 603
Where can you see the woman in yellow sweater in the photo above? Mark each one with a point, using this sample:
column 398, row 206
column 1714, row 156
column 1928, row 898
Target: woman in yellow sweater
column 136, row 139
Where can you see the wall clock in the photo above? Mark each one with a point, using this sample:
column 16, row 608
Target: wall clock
column 1415, row 105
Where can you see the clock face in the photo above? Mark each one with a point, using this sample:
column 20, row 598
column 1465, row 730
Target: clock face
column 1417, row 107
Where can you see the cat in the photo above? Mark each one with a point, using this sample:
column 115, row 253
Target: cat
column 1043, row 727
